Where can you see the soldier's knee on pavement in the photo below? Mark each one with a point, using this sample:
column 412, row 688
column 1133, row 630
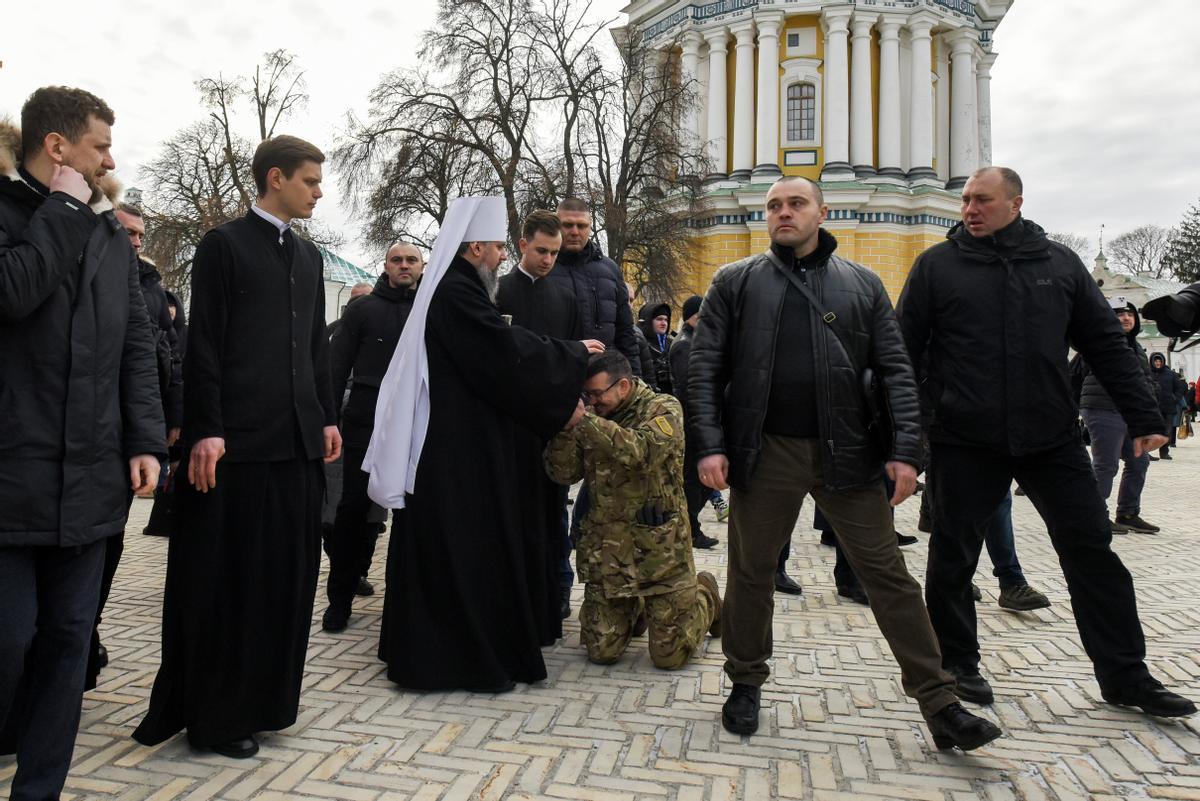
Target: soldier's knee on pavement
column 668, row 656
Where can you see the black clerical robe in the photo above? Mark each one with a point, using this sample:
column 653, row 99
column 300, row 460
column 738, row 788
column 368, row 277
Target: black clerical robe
column 457, row 613
column 547, row 308
column 243, row 560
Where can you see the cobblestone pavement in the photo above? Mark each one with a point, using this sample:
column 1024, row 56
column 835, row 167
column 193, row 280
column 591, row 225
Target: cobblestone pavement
column 835, row 724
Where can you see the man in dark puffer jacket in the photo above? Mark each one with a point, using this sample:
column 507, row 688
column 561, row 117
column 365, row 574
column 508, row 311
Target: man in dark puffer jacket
column 995, row 306
column 777, row 411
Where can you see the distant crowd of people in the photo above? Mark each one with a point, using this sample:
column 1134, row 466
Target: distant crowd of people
column 465, row 403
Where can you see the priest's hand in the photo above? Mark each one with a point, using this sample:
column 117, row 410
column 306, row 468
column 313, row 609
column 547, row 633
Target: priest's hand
column 333, row 444
column 202, row 464
column 1150, row 442
column 593, row 345
column 576, row 416
column 143, row 475
column 904, row 475
column 714, row 471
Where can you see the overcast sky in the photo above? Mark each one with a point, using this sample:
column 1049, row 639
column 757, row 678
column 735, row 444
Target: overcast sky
column 1096, row 103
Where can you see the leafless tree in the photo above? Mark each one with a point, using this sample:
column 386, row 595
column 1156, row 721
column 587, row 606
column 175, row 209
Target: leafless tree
column 1141, row 251
column 1080, row 244
column 201, row 176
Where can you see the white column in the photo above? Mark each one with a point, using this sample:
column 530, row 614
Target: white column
column 943, row 110
column 689, row 69
column 862, row 122
column 920, row 137
column 983, row 92
column 837, row 96
column 889, row 98
column 767, row 155
column 718, row 121
column 964, row 121
column 743, row 102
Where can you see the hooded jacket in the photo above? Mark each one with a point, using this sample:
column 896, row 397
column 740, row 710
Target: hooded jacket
column 1092, row 392
column 732, row 360
column 599, row 288
column 1171, row 388
column 363, row 346
column 78, row 380
column 659, row 348
column 995, row 316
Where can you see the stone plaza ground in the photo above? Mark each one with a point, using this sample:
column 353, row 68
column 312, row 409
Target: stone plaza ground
column 835, row 724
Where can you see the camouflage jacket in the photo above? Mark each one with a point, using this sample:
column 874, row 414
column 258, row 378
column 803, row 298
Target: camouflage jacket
column 631, row 459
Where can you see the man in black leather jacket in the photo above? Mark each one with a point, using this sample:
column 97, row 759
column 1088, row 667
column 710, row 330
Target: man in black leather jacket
column 995, row 307
column 777, row 411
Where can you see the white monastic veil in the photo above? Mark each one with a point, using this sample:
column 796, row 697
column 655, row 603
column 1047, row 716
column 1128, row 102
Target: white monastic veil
column 402, row 411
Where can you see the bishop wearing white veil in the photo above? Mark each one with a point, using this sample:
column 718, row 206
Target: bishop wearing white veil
column 457, row 613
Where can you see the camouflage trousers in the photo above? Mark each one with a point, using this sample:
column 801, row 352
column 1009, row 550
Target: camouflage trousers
column 677, row 624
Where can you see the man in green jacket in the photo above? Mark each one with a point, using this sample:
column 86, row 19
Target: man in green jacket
column 634, row 552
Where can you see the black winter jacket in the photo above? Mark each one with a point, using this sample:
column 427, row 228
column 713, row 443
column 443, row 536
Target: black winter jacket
column 995, row 316
column 1092, row 393
column 681, row 351
column 363, row 345
column 660, row 360
column 730, row 368
column 169, row 352
column 78, row 381
column 1170, row 388
column 599, row 289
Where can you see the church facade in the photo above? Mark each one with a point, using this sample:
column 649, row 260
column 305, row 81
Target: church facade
column 885, row 102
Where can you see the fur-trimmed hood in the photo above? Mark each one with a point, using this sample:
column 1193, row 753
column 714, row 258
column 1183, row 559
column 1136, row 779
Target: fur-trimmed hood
column 11, row 156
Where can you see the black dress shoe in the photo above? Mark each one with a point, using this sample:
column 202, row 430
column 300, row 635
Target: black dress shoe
column 102, row 657
column 334, row 620
column 740, row 713
column 237, row 748
column 969, row 685
column 704, row 542
column 785, row 584
column 828, row 538
column 565, row 610
column 855, row 593
column 955, row 727
column 976, row 593
column 1151, row 697
column 365, row 589
column 905, row 539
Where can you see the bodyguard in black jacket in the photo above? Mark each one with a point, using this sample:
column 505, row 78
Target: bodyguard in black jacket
column 777, row 412
column 80, row 419
column 995, row 307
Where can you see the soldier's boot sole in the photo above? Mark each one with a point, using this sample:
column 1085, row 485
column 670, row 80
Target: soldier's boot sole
column 708, row 581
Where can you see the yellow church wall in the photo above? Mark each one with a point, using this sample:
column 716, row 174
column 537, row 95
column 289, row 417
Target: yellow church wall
column 793, row 23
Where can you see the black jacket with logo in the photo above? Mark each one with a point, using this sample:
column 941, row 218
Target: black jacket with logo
column 995, row 316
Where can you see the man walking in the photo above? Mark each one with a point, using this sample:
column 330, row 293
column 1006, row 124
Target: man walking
column 634, row 554
column 995, row 306
column 258, row 419
column 83, row 423
column 1111, row 443
column 774, row 386
column 362, row 347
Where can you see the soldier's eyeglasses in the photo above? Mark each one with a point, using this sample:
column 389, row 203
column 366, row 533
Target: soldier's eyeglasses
column 594, row 395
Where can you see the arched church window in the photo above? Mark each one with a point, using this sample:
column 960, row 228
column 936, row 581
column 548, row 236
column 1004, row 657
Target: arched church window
column 802, row 112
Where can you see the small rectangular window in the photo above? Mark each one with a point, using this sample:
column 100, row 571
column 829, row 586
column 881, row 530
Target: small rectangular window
column 793, row 40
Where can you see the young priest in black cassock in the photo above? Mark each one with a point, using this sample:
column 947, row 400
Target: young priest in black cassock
column 547, row 308
column 258, row 419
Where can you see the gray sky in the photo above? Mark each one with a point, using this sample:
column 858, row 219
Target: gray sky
column 1094, row 102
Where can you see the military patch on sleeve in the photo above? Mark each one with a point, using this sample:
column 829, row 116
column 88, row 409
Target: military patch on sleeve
column 664, row 425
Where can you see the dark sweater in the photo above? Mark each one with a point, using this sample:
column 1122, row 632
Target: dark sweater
column 257, row 365
column 792, row 404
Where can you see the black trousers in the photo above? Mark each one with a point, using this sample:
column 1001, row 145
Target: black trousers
column 351, row 544
column 696, row 493
column 971, row 483
column 114, row 547
column 48, row 600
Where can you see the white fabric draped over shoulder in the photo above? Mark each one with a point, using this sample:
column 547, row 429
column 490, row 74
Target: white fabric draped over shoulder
column 402, row 411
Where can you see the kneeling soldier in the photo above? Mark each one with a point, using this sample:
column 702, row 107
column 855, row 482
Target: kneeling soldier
column 635, row 550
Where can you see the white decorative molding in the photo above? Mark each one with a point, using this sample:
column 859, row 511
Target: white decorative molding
column 800, row 70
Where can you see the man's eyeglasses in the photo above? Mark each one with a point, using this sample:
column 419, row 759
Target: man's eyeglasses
column 592, row 395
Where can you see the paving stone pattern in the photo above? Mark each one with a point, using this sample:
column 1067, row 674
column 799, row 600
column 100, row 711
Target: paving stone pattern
column 835, row 724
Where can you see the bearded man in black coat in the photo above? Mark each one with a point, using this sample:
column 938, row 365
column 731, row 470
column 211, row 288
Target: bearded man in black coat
column 259, row 417
column 81, row 424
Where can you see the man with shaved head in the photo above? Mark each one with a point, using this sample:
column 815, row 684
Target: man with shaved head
column 359, row 354
column 994, row 309
column 777, row 412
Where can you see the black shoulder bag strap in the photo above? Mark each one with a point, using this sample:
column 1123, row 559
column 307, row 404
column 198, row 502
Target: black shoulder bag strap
column 874, row 395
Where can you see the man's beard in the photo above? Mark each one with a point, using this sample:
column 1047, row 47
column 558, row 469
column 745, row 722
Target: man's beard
column 490, row 279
